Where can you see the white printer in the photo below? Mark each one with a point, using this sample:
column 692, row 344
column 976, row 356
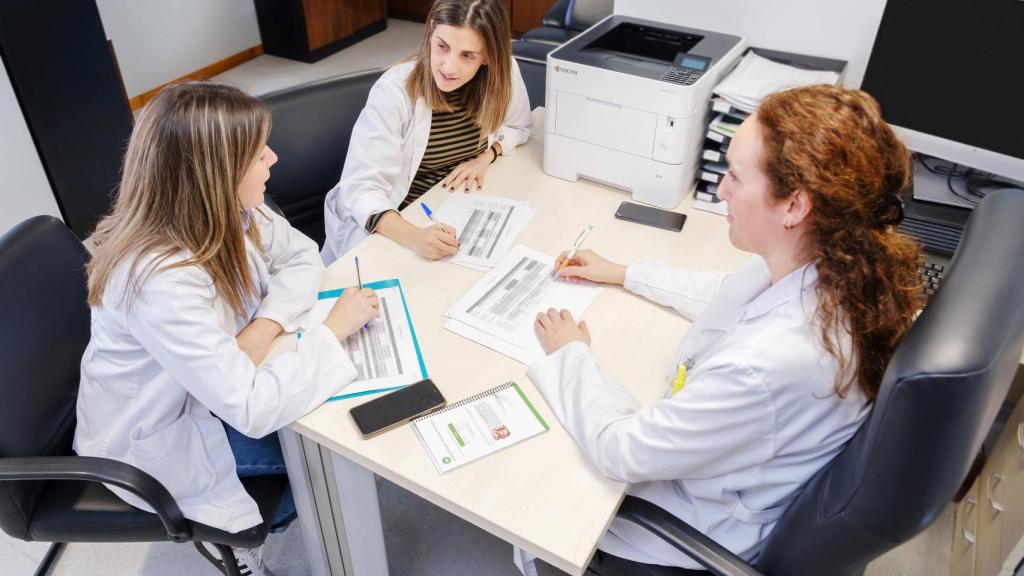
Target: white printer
column 627, row 103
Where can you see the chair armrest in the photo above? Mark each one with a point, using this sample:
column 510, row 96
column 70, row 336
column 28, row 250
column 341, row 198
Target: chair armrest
column 684, row 537
column 555, row 17
column 91, row 469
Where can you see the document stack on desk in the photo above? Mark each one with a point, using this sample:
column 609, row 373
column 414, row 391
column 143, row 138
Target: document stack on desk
column 755, row 77
column 385, row 351
column 500, row 309
column 713, row 167
column 486, row 226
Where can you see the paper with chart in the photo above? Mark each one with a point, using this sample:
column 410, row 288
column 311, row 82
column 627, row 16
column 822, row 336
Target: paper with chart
column 500, row 309
column 486, row 226
column 385, row 352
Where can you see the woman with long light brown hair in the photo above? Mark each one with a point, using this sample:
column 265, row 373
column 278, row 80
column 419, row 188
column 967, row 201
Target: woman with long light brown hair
column 443, row 116
column 784, row 356
column 191, row 279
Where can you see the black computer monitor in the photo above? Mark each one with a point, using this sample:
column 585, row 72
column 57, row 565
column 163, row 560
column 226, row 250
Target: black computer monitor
column 949, row 75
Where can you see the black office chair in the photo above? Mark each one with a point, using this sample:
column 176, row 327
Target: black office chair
column 565, row 20
column 938, row 399
column 47, row 493
column 312, row 126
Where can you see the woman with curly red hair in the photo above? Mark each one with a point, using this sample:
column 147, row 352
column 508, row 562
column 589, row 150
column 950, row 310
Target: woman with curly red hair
column 785, row 355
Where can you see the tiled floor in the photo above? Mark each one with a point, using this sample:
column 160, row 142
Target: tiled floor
column 269, row 73
column 420, row 537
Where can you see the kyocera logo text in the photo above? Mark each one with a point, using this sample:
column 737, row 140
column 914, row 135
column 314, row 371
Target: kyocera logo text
column 566, row 70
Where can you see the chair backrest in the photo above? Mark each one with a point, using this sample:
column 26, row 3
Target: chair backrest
column 46, row 329
column 938, row 399
column 312, row 126
column 585, row 13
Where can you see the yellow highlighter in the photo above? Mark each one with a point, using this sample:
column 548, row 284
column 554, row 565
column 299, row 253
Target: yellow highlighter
column 680, row 379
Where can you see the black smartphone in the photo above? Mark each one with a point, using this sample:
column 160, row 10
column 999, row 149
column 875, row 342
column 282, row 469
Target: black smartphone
column 397, row 407
column 650, row 216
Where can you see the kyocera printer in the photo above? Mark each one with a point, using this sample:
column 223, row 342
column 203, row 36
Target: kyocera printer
column 627, row 104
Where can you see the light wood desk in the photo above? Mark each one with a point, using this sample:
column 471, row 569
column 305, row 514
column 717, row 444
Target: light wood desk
column 541, row 494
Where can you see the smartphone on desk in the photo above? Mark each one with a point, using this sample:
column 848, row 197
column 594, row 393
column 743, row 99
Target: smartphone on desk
column 650, row 216
column 398, row 407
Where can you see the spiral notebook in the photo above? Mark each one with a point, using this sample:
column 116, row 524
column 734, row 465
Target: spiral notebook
column 478, row 426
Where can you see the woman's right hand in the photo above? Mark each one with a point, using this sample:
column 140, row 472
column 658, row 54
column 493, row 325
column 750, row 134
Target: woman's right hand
column 589, row 266
column 353, row 309
column 434, row 242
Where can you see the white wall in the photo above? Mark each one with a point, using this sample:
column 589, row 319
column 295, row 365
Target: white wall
column 157, row 41
column 24, row 189
column 843, row 29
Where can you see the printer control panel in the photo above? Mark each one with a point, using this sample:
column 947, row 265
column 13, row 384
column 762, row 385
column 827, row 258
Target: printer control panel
column 686, row 69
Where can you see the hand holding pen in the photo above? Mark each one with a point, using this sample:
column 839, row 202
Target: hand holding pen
column 435, row 241
column 353, row 310
column 588, row 265
column 572, row 251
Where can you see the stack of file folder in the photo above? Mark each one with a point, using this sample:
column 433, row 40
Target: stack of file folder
column 759, row 73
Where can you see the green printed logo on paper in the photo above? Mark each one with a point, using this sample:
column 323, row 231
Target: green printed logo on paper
column 446, row 460
column 455, row 434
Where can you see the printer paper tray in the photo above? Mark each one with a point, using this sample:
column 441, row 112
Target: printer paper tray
column 606, row 124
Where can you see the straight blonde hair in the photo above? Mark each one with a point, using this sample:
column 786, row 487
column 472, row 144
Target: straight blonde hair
column 490, row 91
column 187, row 155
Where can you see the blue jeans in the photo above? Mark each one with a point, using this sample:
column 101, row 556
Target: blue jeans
column 262, row 457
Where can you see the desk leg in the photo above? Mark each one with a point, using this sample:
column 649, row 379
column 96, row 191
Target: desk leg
column 331, row 493
column 359, row 526
column 306, row 476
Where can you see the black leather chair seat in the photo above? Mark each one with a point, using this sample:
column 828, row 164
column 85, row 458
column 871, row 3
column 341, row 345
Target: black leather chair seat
column 98, row 515
column 607, row 565
column 533, row 51
column 550, row 35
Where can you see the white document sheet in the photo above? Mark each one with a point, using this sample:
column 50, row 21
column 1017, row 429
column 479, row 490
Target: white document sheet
column 500, row 309
column 385, row 351
column 486, row 227
column 756, row 77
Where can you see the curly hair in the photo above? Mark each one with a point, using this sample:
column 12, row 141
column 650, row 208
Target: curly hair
column 834, row 145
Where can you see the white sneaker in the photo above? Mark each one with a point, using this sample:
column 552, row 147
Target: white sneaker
column 250, row 560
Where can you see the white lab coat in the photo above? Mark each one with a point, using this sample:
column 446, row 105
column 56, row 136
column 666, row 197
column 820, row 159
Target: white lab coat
column 385, row 151
column 156, row 373
column 756, row 419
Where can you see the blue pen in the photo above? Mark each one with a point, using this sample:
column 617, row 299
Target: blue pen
column 426, row 210
column 430, row 215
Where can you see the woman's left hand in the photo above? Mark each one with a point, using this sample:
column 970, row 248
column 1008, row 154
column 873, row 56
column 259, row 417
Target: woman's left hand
column 469, row 175
column 556, row 329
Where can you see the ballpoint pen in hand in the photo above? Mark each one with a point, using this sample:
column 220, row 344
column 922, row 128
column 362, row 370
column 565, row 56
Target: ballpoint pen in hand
column 575, row 246
column 359, row 278
column 430, row 215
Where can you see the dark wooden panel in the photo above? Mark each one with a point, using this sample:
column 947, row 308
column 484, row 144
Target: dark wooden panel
column 527, row 14
column 415, row 10
column 330, row 20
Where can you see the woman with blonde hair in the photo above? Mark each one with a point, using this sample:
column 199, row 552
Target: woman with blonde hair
column 191, row 279
column 784, row 357
column 443, row 116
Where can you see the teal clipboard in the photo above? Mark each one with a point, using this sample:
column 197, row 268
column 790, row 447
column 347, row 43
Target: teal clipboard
column 327, row 294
